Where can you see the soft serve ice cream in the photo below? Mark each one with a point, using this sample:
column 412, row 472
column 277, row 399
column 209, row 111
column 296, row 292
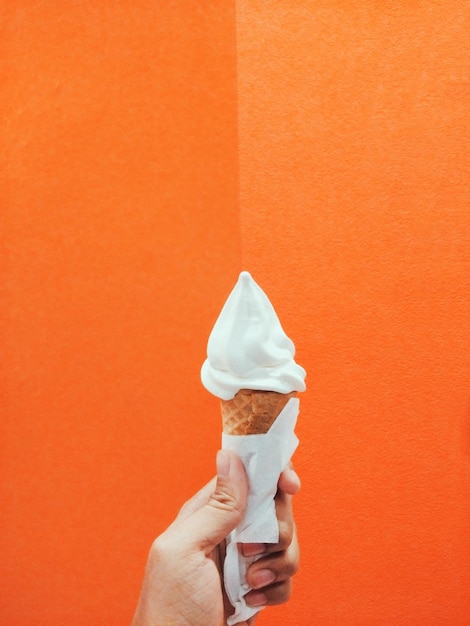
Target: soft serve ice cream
column 248, row 348
column 250, row 366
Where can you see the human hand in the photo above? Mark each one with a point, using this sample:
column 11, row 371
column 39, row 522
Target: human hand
column 182, row 584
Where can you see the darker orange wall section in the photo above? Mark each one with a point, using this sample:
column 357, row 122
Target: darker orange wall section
column 354, row 186
column 121, row 237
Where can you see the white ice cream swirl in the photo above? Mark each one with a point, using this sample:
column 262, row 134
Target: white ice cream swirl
column 248, row 348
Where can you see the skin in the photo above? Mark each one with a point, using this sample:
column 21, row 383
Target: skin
column 182, row 583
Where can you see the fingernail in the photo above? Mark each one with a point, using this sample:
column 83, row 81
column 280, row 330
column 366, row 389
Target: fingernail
column 256, row 598
column 262, row 578
column 253, row 549
column 222, row 464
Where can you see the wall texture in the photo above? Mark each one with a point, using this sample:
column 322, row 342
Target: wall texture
column 354, row 189
column 151, row 151
column 120, row 231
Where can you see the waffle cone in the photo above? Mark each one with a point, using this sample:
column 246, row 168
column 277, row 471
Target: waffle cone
column 252, row 412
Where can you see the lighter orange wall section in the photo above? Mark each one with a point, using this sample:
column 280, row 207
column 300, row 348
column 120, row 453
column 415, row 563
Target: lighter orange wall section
column 129, row 204
column 121, row 233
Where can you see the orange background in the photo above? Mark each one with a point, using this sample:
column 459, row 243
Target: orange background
column 150, row 152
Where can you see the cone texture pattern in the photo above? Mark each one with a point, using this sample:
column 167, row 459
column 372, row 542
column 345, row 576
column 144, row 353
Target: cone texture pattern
column 252, row 412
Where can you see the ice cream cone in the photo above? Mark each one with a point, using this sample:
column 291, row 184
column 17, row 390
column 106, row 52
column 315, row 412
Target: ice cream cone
column 252, row 412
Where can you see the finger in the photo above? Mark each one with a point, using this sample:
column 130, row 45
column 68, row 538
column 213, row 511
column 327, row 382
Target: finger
column 285, row 519
column 270, row 596
column 197, row 501
column 289, row 481
column 223, row 511
column 283, row 502
column 274, row 568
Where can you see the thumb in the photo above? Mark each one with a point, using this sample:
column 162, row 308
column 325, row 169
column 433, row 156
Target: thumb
column 224, row 510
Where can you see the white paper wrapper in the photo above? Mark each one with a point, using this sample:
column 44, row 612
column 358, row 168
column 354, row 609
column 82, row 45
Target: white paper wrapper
column 264, row 456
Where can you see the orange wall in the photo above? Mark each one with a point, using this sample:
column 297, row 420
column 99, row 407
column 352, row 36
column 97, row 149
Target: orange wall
column 121, row 232
column 129, row 205
column 355, row 184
